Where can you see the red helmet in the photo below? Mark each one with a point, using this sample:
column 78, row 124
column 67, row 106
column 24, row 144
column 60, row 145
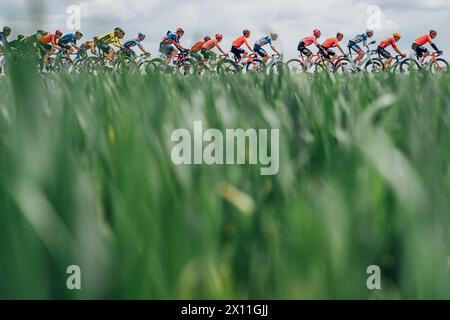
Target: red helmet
column 207, row 38
column 219, row 37
column 317, row 32
column 433, row 32
column 246, row 31
column 58, row 32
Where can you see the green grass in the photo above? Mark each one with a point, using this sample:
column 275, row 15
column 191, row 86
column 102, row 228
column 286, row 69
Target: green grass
column 86, row 178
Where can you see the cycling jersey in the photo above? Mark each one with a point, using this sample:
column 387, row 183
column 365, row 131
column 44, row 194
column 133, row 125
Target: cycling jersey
column 309, row 41
column 48, row 39
column 197, row 46
column 68, row 38
column 208, row 45
column 360, row 38
column 239, row 42
column 3, row 38
column 132, row 43
column 388, row 42
column 330, row 43
column 263, row 41
column 170, row 38
column 423, row 40
column 110, row 38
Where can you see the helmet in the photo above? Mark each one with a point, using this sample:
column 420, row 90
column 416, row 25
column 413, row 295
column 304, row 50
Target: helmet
column 141, row 35
column 6, row 29
column 246, row 31
column 274, row 36
column 180, row 30
column 58, row 32
column 369, row 31
column 339, row 35
column 317, row 32
column 396, row 35
column 433, row 32
column 207, row 38
column 20, row 36
column 78, row 33
column 119, row 30
column 219, row 37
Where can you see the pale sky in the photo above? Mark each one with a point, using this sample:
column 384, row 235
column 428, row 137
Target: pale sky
column 292, row 19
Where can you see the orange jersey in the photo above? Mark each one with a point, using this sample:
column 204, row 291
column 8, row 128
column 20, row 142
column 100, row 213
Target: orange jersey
column 196, row 47
column 330, row 43
column 424, row 39
column 388, row 42
column 208, row 45
column 48, row 38
column 239, row 42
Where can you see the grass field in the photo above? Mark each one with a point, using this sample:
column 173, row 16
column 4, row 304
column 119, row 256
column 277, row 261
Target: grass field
column 86, row 178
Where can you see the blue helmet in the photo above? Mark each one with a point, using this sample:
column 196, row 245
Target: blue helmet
column 141, row 35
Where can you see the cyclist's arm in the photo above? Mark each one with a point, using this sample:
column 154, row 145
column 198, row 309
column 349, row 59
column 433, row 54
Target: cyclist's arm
column 141, row 47
column 340, row 48
column 399, row 51
column 273, row 48
column 248, row 46
column 434, row 47
column 179, row 46
column 221, row 50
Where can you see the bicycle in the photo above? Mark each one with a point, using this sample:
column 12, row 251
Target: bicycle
column 251, row 63
column 432, row 63
column 368, row 64
column 318, row 64
column 275, row 65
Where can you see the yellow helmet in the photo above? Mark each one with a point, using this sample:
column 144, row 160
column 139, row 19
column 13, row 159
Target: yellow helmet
column 397, row 35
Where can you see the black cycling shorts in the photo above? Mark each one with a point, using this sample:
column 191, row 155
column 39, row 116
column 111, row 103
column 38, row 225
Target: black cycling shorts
column 384, row 53
column 419, row 50
column 237, row 51
column 303, row 49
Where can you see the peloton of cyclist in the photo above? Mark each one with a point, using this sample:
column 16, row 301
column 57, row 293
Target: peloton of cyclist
column 353, row 45
column 170, row 42
column 258, row 47
column 386, row 43
column 418, row 45
column 331, row 43
column 236, row 49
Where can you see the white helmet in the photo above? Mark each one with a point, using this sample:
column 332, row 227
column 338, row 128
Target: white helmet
column 274, row 36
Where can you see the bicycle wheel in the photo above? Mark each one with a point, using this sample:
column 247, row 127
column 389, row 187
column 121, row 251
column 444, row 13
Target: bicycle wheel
column 186, row 67
column 439, row 66
column 255, row 65
column 323, row 66
column 409, row 65
column 295, row 66
column 343, row 66
column 374, row 66
column 227, row 66
column 278, row 68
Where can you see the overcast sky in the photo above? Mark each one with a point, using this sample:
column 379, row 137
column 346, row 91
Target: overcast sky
column 292, row 19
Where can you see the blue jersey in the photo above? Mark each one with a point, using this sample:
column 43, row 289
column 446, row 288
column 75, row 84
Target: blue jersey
column 3, row 38
column 263, row 41
column 360, row 38
column 132, row 43
column 170, row 38
column 68, row 38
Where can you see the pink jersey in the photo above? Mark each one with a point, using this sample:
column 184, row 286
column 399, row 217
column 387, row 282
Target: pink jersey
column 310, row 40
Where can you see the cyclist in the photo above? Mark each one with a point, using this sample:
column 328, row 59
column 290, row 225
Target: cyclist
column 207, row 47
column 69, row 42
column 353, row 45
column 170, row 42
column 418, row 48
column 198, row 46
column 48, row 44
column 389, row 42
column 16, row 43
column 258, row 47
column 331, row 43
column 306, row 42
column 105, row 40
column 85, row 47
column 136, row 42
column 4, row 35
column 236, row 49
